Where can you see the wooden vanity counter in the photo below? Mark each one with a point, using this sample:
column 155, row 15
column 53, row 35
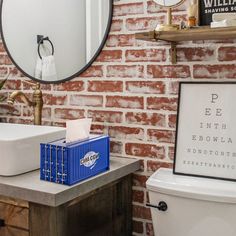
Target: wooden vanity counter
column 101, row 205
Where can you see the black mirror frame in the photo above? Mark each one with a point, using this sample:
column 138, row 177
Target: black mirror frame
column 74, row 75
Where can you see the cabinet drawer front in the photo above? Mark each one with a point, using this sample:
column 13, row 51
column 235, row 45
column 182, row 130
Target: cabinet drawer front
column 14, row 216
column 9, row 231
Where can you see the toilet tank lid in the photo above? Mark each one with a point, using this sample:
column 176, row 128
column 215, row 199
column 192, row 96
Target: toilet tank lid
column 164, row 181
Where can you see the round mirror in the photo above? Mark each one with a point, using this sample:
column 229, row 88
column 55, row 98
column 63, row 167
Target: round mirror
column 168, row 3
column 54, row 40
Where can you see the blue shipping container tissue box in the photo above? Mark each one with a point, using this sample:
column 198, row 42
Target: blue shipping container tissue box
column 70, row 163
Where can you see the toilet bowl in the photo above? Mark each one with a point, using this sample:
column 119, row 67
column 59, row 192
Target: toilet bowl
column 191, row 206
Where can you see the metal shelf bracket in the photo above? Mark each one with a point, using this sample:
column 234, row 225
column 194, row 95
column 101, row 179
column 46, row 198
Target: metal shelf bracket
column 173, row 53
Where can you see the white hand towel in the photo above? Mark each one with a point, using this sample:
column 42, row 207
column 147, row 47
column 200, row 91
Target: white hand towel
column 38, row 69
column 49, row 68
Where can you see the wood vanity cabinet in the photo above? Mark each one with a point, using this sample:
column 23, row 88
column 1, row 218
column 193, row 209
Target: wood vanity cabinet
column 106, row 211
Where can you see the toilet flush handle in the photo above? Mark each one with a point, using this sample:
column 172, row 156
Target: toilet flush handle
column 162, row 206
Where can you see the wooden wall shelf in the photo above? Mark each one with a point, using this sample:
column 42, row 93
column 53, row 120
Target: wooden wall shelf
column 201, row 33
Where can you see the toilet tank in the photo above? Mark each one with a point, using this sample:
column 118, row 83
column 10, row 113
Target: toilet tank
column 195, row 206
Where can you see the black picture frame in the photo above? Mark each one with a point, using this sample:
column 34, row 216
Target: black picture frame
column 229, row 170
column 207, row 7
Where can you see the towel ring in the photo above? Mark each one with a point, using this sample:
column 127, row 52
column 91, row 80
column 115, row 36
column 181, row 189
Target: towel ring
column 41, row 42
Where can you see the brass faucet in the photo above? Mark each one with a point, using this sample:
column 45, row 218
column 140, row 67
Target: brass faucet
column 36, row 103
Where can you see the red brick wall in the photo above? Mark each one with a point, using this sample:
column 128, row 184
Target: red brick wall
column 130, row 92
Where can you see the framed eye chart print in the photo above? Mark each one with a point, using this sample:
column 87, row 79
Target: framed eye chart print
column 205, row 143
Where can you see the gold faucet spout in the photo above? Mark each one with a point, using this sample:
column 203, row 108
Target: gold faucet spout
column 22, row 96
column 36, row 103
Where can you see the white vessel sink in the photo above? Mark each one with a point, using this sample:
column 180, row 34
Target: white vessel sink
column 20, row 146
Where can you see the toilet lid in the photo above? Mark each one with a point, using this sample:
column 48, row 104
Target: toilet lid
column 164, row 181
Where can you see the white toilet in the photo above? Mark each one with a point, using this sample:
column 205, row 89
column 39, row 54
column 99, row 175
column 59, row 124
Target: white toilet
column 191, row 206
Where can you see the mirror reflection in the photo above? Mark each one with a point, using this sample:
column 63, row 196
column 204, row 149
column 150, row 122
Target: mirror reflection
column 168, row 3
column 54, row 40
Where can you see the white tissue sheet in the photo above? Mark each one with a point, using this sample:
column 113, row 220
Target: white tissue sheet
column 77, row 129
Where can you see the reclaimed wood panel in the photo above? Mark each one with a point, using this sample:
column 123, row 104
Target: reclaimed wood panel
column 9, row 231
column 47, row 221
column 14, row 215
column 13, row 201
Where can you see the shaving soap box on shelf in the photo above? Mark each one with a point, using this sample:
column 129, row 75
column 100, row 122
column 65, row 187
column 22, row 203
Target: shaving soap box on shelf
column 226, row 9
column 70, row 163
